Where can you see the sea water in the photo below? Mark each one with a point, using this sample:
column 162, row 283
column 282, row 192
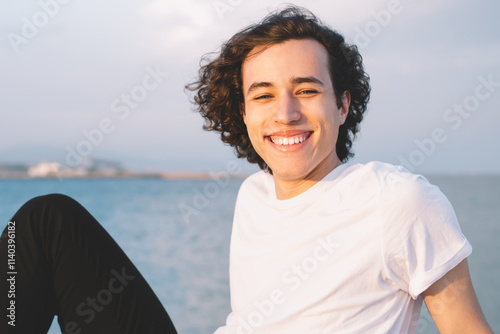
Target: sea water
column 177, row 233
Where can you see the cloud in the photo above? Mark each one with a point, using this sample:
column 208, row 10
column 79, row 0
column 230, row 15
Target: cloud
column 407, row 61
column 179, row 21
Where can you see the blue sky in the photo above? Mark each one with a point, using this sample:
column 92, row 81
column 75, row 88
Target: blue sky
column 74, row 70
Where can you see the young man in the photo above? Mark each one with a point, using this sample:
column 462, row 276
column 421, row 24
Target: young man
column 319, row 246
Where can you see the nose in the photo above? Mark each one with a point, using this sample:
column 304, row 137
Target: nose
column 288, row 110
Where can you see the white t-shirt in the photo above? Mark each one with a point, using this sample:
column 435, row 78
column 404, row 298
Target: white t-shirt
column 349, row 255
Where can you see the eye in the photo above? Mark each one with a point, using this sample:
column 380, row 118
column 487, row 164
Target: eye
column 262, row 97
column 307, row 92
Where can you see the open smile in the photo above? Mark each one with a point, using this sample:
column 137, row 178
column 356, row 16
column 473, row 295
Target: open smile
column 289, row 140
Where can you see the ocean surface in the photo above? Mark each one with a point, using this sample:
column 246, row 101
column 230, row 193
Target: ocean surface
column 177, row 233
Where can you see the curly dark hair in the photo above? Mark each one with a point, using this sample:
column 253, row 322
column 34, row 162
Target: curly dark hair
column 219, row 93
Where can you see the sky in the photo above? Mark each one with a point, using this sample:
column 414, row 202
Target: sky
column 105, row 80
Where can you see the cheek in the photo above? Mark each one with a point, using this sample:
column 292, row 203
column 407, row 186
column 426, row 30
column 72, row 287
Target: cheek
column 251, row 121
column 254, row 137
column 252, row 127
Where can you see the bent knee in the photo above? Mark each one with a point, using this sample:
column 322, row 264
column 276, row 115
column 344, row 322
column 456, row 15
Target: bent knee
column 47, row 207
column 51, row 201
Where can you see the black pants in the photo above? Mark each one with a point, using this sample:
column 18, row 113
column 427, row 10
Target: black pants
column 56, row 259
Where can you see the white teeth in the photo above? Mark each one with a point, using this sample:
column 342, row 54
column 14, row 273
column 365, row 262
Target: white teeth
column 288, row 140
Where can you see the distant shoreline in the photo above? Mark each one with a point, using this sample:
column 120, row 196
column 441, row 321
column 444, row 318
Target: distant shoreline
column 168, row 175
column 118, row 175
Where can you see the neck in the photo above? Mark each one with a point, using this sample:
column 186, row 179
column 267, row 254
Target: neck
column 288, row 188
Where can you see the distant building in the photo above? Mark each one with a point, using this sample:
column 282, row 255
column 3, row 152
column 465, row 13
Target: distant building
column 90, row 168
column 44, row 169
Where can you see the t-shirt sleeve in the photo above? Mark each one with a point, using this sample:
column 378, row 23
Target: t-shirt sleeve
column 421, row 238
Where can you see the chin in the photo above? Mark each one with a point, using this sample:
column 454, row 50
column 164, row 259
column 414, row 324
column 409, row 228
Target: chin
column 289, row 173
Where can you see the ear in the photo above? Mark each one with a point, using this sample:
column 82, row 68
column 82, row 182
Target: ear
column 344, row 108
column 242, row 111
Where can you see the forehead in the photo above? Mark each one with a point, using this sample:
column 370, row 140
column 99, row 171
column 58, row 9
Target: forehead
column 293, row 58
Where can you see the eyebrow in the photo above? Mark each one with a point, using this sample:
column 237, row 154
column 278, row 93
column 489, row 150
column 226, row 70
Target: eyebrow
column 299, row 80
column 293, row 80
column 256, row 85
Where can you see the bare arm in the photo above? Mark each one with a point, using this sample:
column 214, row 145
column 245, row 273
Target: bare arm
column 453, row 304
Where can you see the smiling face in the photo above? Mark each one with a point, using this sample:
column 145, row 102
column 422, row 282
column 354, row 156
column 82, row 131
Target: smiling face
column 291, row 113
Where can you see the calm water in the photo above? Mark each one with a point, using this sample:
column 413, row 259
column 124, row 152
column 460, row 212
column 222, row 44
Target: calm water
column 177, row 233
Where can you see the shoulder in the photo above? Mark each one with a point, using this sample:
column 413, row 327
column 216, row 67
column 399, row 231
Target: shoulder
column 380, row 176
column 257, row 185
column 403, row 189
column 410, row 205
column 393, row 180
column 397, row 189
column 259, row 179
